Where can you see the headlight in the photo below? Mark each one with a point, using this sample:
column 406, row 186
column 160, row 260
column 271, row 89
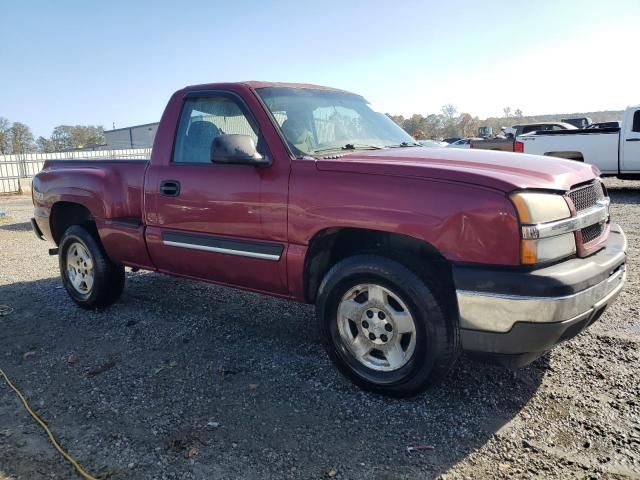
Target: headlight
column 537, row 212
column 540, row 207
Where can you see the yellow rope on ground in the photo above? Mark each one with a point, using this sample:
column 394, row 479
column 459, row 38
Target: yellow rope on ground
column 75, row 464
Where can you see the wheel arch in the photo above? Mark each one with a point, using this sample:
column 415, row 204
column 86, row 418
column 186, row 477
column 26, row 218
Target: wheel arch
column 64, row 214
column 330, row 245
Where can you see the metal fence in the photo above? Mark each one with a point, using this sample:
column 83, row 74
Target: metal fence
column 15, row 167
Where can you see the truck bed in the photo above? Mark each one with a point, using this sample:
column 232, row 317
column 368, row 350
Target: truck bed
column 111, row 189
column 599, row 147
column 115, row 184
column 501, row 144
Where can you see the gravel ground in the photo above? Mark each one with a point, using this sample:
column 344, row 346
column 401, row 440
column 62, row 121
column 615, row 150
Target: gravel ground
column 184, row 380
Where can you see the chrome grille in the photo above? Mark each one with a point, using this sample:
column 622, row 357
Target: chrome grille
column 586, row 196
column 592, row 232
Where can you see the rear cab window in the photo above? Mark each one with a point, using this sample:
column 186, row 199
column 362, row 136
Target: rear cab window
column 636, row 122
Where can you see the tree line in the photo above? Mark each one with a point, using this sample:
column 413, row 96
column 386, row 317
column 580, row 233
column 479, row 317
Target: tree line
column 451, row 124
column 17, row 138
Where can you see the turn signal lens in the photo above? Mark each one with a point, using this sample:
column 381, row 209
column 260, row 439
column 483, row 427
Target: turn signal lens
column 528, row 252
column 547, row 249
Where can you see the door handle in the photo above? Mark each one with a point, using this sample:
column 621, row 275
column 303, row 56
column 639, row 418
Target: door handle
column 633, row 139
column 170, row 188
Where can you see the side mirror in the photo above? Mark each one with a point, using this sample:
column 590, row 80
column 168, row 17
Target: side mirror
column 236, row 149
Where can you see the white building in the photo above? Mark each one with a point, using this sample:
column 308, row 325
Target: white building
column 138, row 136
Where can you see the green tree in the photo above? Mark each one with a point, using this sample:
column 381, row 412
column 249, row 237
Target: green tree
column 434, row 125
column 68, row 137
column 5, row 136
column 450, row 127
column 415, row 126
column 21, row 138
column 399, row 119
column 467, row 125
column 44, row 145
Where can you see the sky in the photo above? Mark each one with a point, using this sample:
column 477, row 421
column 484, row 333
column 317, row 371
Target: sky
column 117, row 62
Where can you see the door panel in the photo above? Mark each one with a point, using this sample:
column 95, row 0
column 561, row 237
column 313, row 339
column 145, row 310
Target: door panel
column 630, row 144
column 218, row 222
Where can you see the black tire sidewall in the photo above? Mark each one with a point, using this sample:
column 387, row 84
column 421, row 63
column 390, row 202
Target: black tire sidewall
column 430, row 323
column 104, row 271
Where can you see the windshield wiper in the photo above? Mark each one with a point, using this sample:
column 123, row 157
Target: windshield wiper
column 350, row 146
column 405, row 144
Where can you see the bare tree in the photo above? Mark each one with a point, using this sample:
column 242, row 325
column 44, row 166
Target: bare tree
column 518, row 113
column 449, row 111
column 507, row 112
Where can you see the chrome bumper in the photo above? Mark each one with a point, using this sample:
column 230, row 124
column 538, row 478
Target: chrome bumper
column 498, row 313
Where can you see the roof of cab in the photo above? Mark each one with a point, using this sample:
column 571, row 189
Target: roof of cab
column 255, row 84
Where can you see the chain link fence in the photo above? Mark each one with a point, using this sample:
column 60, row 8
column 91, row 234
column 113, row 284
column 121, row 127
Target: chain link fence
column 25, row 166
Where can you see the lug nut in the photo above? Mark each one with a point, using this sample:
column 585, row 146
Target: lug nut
column 365, row 324
column 381, row 315
column 388, row 327
column 372, row 336
column 383, row 337
column 369, row 314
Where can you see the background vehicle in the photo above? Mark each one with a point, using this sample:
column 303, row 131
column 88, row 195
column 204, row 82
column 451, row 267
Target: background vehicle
column 432, row 143
column 306, row 193
column 508, row 144
column 523, row 129
column 485, row 132
column 615, row 151
column 463, row 143
column 580, row 122
column 614, row 124
column 499, row 144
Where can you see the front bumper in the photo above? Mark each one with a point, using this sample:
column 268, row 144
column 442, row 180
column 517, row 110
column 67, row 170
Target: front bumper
column 510, row 312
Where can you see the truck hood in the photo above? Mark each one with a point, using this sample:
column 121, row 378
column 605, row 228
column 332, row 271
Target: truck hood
column 502, row 171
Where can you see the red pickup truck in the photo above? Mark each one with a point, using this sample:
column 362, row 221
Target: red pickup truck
column 410, row 254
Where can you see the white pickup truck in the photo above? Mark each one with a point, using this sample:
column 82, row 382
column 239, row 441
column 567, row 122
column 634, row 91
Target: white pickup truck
column 615, row 151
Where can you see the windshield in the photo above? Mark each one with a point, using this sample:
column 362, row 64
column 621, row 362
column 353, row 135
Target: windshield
column 319, row 122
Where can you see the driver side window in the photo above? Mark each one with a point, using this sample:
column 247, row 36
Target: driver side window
column 202, row 120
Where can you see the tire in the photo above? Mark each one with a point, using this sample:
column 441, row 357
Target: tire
column 91, row 288
column 367, row 297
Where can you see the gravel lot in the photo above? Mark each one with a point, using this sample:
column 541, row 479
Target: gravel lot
column 184, row 380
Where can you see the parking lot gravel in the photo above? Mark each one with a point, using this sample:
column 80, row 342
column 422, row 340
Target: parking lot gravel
column 186, row 380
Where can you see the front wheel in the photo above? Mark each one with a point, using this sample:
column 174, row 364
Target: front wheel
column 91, row 279
column 383, row 327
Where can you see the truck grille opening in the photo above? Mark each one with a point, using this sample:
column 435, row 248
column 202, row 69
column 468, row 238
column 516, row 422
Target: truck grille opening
column 586, row 196
column 592, row 232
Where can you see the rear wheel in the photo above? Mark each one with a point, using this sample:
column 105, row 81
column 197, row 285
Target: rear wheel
column 383, row 327
column 91, row 279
